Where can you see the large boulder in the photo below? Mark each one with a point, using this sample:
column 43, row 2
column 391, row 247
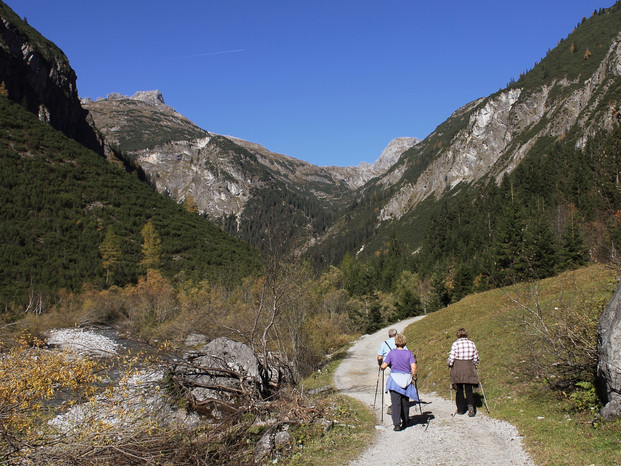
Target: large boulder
column 224, row 375
column 609, row 350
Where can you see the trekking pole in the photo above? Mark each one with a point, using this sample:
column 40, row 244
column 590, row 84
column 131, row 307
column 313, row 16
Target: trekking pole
column 482, row 391
column 382, row 416
column 376, row 385
column 420, row 406
column 420, row 402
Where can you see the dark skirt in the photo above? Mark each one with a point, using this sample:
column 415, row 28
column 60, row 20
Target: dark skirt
column 463, row 371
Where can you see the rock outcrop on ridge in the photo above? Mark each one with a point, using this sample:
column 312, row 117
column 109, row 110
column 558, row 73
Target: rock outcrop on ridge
column 36, row 74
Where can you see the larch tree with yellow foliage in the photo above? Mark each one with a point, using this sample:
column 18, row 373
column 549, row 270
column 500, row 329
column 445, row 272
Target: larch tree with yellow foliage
column 151, row 247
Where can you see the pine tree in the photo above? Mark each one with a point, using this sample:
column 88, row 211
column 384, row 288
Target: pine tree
column 440, row 294
column 540, row 247
column 374, row 319
column 508, row 245
column 573, row 250
column 408, row 304
column 462, row 282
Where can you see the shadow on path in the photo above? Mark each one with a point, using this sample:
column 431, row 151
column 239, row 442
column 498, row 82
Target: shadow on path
column 420, row 419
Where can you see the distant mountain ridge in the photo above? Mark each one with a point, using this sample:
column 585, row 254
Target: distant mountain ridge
column 265, row 197
column 228, row 178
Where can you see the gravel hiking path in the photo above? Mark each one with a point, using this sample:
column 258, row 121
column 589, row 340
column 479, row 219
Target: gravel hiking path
column 435, row 437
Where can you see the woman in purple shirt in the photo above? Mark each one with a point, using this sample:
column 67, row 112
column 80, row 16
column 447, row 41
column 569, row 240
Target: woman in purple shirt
column 403, row 370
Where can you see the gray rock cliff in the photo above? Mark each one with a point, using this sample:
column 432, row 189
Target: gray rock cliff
column 609, row 352
column 492, row 142
column 37, row 75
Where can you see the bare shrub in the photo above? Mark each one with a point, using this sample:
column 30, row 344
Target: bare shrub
column 561, row 332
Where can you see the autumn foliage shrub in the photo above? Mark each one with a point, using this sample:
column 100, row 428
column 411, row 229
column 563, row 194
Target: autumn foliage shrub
column 287, row 311
column 29, row 378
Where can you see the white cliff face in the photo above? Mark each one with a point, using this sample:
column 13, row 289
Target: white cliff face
column 469, row 157
column 486, row 144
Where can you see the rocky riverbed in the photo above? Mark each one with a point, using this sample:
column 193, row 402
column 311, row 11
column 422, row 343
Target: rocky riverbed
column 131, row 387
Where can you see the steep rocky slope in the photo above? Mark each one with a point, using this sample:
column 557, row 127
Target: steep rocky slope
column 141, row 122
column 498, row 131
column 36, row 74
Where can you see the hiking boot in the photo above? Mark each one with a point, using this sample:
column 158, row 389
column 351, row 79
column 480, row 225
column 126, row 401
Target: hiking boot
column 398, row 428
column 471, row 412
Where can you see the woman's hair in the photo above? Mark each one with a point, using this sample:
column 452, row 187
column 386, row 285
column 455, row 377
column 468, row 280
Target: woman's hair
column 400, row 340
column 462, row 333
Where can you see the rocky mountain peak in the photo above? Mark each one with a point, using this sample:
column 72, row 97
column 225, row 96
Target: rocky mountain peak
column 356, row 177
column 391, row 154
column 153, row 98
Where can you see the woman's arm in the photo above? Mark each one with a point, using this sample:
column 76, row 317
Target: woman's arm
column 414, row 369
column 451, row 358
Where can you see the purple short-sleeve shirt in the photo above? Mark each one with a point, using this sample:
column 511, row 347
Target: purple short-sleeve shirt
column 400, row 360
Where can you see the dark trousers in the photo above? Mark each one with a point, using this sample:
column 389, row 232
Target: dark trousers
column 464, row 401
column 400, row 408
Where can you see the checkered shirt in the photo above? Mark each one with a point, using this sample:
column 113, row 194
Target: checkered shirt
column 463, row 349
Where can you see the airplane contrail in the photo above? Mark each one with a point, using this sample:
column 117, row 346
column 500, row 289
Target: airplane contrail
column 221, row 52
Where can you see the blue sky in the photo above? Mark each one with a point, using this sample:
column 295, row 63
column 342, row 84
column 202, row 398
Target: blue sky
column 328, row 82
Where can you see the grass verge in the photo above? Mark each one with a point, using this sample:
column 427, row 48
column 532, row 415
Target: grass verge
column 352, row 428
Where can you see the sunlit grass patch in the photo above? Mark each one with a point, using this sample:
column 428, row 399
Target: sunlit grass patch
column 350, row 423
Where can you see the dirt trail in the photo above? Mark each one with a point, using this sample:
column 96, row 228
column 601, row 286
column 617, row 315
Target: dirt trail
column 435, row 437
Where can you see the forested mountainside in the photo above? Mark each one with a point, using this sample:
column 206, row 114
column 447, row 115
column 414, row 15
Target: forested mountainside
column 541, row 153
column 71, row 218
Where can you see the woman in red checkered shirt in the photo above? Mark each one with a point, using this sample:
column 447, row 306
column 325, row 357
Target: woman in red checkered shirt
column 463, row 359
